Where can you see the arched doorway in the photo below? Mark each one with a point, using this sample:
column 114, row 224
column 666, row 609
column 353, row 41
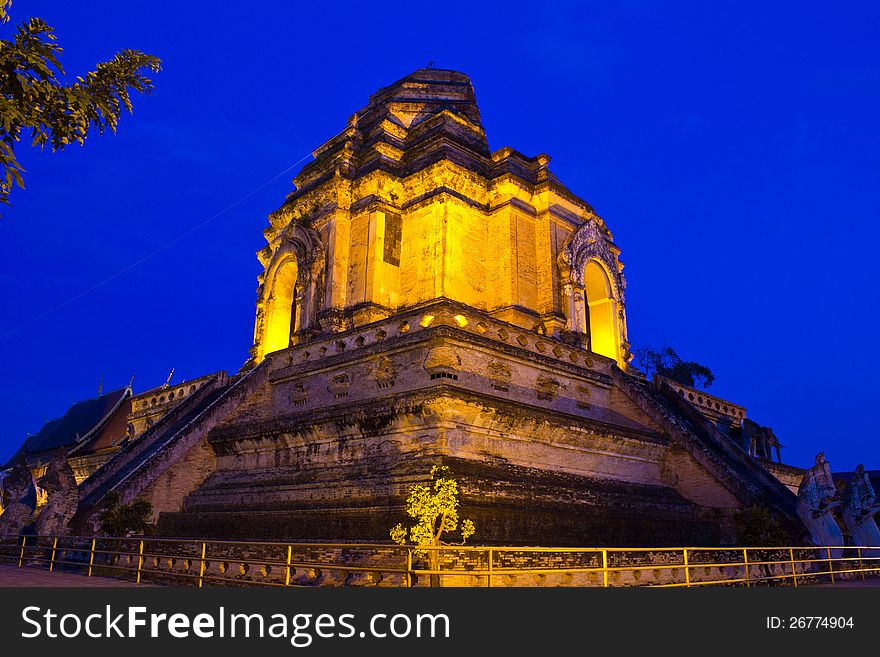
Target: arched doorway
column 282, row 307
column 602, row 310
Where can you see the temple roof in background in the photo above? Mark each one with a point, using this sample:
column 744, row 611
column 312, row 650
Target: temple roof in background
column 84, row 420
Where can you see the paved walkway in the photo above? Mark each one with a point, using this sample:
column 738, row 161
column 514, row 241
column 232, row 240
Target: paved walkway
column 869, row 582
column 11, row 575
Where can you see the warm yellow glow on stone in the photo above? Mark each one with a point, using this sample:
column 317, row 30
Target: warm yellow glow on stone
column 495, row 231
column 426, row 321
column 281, row 307
column 603, row 314
column 461, row 320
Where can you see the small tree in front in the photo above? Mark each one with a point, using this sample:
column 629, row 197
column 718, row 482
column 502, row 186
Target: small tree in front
column 434, row 508
column 124, row 519
column 757, row 527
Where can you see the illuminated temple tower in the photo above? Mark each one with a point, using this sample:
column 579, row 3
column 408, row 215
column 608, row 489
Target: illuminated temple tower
column 407, row 206
column 427, row 300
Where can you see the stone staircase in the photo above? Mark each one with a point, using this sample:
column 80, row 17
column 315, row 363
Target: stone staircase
column 743, row 476
column 138, row 464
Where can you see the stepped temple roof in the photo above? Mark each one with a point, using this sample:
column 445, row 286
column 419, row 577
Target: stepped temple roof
column 82, row 421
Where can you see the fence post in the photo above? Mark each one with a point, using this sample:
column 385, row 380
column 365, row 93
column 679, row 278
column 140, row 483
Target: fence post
column 861, row 564
column 140, row 561
column 409, row 565
column 21, row 555
column 52, row 558
column 687, row 569
column 746, row 562
column 605, row 568
column 91, row 558
column 489, row 576
column 793, row 569
column 830, row 566
column 287, row 574
column 202, row 566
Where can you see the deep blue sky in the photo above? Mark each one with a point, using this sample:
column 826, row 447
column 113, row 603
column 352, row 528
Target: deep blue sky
column 733, row 149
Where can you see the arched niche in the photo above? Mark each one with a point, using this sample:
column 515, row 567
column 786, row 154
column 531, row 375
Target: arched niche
column 283, row 308
column 602, row 311
column 290, row 292
column 592, row 287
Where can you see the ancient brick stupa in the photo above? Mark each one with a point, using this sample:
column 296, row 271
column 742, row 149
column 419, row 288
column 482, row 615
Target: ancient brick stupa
column 427, row 300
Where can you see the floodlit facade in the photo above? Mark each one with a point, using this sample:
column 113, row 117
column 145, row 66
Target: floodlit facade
column 426, row 300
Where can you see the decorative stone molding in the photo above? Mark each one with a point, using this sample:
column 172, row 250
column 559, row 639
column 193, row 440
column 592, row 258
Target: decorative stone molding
column 860, row 505
column 339, row 386
column 585, row 244
column 303, row 245
column 547, row 388
column 583, row 396
column 499, row 375
column 589, row 243
column 443, row 362
column 19, row 505
column 816, row 500
column 298, row 396
column 384, row 373
column 63, row 497
column 713, row 407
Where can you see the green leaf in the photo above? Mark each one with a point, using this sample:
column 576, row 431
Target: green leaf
column 33, row 97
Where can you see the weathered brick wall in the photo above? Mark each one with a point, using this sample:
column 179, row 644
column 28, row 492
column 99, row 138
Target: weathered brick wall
column 693, row 482
column 171, row 487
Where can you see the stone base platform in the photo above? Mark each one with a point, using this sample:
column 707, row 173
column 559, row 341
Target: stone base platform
column 510, row 506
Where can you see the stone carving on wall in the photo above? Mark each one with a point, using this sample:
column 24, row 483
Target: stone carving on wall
column 60, row 484
column 442, row 361
column 298, row 395
column 860, row 505
column 499, row 375
column 817, row 499
column 583, row 395
column 547, row 388
column 339, row 386
column 304, row 245
column 762, row 441
column 384, row 373
column 19, row 501
column 773, row 442
column 585, row 244
column 589, row 243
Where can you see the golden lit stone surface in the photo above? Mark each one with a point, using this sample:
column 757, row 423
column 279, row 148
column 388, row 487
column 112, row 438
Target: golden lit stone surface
column 425, row 301
column 407, row 205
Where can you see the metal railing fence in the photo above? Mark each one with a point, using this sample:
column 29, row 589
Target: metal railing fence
column 252, row 563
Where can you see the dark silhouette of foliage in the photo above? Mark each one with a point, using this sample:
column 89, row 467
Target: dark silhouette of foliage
column 756, row 527
column 669, row 364
column 124, row 519
column 36, row 98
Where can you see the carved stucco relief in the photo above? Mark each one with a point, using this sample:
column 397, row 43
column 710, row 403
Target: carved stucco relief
column 585, row 244
column 304, row 245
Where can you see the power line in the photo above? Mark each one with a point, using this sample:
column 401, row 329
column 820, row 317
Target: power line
column 165, row 246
